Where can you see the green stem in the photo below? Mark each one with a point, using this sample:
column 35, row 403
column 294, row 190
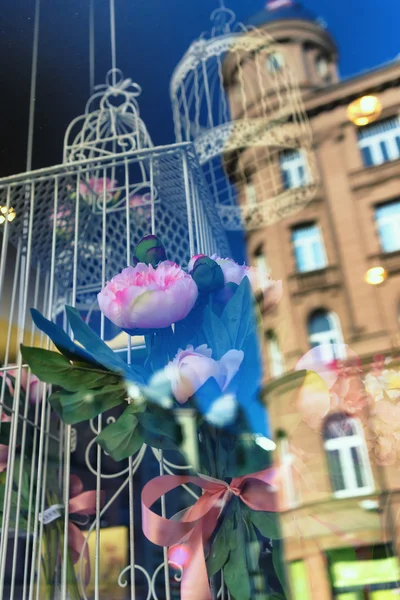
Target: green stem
column 245, row 540
column 72, row 583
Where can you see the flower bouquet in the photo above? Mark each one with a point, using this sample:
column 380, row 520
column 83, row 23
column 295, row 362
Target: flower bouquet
column 23, row 492
column 201, row 335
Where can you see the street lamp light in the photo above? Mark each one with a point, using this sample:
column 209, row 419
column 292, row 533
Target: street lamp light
column 376, row 275
column 364, row 110
column 6, row 213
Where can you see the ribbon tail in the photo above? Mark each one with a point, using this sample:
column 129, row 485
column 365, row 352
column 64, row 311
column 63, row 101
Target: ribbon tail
column 195, row 585
column 76, row 541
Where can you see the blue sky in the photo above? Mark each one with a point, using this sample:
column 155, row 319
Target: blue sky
column 152, row 35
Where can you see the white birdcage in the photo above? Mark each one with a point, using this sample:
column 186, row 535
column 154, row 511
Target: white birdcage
column 76, row 225
column 241, row 106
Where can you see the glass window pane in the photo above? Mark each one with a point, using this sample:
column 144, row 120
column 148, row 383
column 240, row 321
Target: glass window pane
column 357, row 462
column 367, row 156
column 388, row 218
column 384, row 150
column 335, row 470
column 319, row 322
column 339, row 425
column 398, row 144
column 302, row 261
column 301, row 173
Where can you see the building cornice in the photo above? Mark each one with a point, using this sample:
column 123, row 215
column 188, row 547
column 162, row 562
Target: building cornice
column 345, row 91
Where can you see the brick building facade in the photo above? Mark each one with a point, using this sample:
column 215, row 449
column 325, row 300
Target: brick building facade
column 341, row 500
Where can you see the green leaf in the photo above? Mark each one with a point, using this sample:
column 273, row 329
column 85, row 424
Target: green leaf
column 236, row 574
column 122, row 438
column 220, row 546
column 86, row 404
column 160, row 429
column 216, row 334
column 266, row 523
column 54, row 368
column 239, row 314
column 99, row 349
column 278, row 561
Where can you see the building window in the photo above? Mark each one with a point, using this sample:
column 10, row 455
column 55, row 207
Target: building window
column 285, row 458
column 322, row 66
column 276, row 361
column 388, row 221
column 261, row 264
column 380, row 142
column 347, row 456
column 308, row 248
column 324, row 330
column 294, row 169
column 251, row 194
column 275, row 62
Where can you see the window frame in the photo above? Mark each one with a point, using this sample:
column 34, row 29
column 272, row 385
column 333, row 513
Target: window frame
column 276, row 361
column 344, row 444
column 290, row 163
column 325, row 339
column 376, row 144
column 251, row 193
column 279, row 65
column 393, row 221
column 296, row 243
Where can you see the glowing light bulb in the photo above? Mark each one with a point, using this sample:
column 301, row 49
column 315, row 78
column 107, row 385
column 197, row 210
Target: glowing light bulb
column 375, row 275
column 364, row 110
column 8, row 214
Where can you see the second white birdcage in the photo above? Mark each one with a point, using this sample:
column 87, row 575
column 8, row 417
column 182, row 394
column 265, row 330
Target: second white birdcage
column 241, row 106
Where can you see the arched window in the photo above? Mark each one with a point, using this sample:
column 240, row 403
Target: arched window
column 324, row 330
column 347, row 456
column 322, row 65
column 276, row 361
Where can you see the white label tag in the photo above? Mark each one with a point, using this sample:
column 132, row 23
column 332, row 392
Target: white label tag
column 51, row 514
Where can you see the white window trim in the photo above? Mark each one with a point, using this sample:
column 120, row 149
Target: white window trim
column 307, row 244
column 322, row 66
column 276, row 362
column 251, row 194
column 290, row 165
column 394, row 221
column 263, row 270
column 344, row 444
column 373, row 141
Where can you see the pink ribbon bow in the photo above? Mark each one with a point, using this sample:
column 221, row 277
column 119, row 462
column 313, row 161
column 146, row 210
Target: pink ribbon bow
column 80, row 503
column 197, row 524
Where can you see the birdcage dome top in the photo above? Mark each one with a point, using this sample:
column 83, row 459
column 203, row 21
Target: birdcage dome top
column 293, row 11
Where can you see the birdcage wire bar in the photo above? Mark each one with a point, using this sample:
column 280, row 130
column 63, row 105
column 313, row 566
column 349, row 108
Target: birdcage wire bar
column 61, row 248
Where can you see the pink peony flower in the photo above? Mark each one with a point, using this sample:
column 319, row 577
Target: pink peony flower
column 94, row 187
column 33, row 383
column 144, row 297
column 191, row 368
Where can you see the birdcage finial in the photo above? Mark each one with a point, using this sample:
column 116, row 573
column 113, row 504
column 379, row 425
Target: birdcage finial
column 111, row 122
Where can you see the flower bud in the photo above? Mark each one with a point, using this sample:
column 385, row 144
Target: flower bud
column 207, row 274
column 150, row 250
